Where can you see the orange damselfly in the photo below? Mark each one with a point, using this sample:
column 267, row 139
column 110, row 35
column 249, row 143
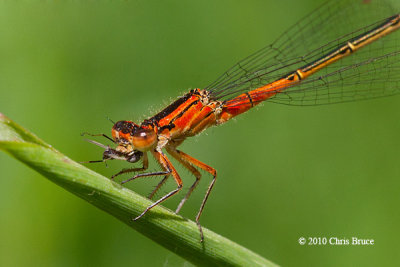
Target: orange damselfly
column 283, row 72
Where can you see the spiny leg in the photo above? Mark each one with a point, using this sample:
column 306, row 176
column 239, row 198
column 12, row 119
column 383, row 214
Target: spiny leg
column 144, row 167
column 169, row 168
column 148, row 174
column 160, row 184
column 92, row 161
column 192, row 169
column 129, row 170
column 208, row 169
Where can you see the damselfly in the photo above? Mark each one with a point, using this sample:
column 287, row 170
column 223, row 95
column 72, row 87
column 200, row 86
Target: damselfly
column 310, row 64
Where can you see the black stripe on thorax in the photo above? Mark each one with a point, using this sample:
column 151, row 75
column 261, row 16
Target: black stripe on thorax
column 168, row 110
column 186, row 109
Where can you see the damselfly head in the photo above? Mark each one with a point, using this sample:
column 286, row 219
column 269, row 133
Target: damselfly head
column 131, row 137
column 120, row 153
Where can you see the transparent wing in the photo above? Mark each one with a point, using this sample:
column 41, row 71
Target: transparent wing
column 372, row 71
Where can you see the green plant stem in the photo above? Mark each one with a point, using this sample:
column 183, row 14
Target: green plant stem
column 172, row 231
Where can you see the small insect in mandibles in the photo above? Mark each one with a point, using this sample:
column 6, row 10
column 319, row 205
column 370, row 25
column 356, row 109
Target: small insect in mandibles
column 346, row 50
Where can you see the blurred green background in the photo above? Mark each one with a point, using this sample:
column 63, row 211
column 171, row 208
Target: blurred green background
column 284, row 172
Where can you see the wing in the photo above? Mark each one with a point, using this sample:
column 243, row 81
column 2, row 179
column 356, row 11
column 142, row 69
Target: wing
column 371, row 72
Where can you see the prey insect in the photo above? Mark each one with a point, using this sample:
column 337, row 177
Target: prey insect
column 353, row 46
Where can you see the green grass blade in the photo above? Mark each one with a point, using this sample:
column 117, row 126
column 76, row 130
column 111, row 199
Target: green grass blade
column 172, row 231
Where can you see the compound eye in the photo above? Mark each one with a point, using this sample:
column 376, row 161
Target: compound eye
column 144, row 139
column 122, row 131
